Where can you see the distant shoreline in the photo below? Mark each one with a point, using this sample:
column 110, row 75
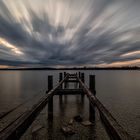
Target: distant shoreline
column 112, row 68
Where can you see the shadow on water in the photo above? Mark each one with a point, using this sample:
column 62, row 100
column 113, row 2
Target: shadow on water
column 69, row 107
column 66, row 107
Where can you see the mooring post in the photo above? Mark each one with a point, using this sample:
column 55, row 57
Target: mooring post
column 50, row 102
column 92, row 89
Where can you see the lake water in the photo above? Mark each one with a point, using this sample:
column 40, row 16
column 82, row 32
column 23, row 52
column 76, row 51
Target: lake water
column 119, row 91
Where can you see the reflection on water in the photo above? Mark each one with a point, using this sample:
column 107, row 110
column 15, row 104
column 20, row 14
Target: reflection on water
column 119, row 91
column 65, row 109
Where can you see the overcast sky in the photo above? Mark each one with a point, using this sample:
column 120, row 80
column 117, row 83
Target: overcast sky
column 69, row 33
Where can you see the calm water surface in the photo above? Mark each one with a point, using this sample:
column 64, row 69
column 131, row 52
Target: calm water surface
column 119, row 91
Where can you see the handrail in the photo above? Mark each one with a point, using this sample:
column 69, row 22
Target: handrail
column 15, row 130
column 118, row 133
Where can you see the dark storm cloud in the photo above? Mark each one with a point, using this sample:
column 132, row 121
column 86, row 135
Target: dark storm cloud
column 72, row 33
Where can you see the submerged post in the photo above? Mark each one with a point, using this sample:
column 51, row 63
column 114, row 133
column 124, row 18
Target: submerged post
column 50, row 102
column 92, row 89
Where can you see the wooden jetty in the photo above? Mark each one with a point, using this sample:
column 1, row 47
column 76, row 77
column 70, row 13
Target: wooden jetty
column 15, row 129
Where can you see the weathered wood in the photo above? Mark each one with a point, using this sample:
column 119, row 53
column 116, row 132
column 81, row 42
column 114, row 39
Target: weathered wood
column 83, row 77
column 115, row 129
column 71, row 80
column 92, row 84
column 50, row 82
column 91, row 113
column 72, row 75
column 16, row 129
column 69, row 91
column 92, row 89
column 79, row 74
column 60, row 79
column 65, row 74
column 50, row 102
column 14, row 115
column 65, row 83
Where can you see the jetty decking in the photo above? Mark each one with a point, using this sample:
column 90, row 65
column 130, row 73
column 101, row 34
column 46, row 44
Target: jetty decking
column 16, row 128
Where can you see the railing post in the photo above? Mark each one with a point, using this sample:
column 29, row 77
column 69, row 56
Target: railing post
column 50, row 102
column 92, row 89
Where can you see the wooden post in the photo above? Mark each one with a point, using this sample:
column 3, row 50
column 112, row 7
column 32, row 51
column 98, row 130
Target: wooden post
column 50, row 82
column 91, row 113
column 83, row 80
column 65, row 74
column 79, row 74
column 65, row 83
column 92, row 89
column 92, row 84
column 83, row 77
column 60, row 79
column 50, row 102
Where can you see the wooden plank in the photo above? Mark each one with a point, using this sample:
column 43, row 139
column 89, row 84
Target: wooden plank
column 115, row 129
column 71, row 80
column 12, row 116
column 72, row 75
column 69, row 91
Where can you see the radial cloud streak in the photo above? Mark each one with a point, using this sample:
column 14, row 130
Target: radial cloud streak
column 69, row 33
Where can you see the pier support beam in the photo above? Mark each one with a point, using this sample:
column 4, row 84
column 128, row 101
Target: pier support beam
column 79, row 74
column 50, row 102
column 83, row 77
column 65, row 74
column 83, row 80
column 92, row 89
column 65, row 83
column 60, row 79
column 92, row 84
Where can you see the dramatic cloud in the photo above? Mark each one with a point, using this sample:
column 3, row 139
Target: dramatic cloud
column 69, row 32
